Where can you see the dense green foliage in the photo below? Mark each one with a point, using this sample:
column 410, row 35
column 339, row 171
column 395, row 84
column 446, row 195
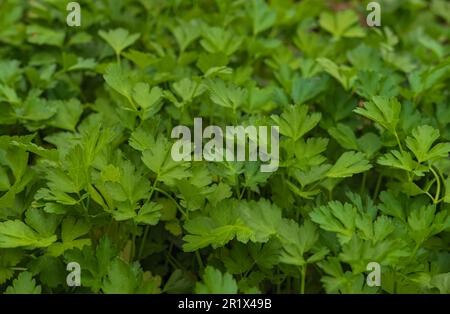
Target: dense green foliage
column 86, row 174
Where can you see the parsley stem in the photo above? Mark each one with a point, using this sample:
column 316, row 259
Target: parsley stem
column 173, row 261
column 242, row 193
column 438, row 187
column 199, row 260
column 303, row 279
column 82, row 203
column 278, row 282
column 363, row 184
column 398, row 141
column 18, row 268
column 173, row 200
column 429, row 195
column 144, row 238
column 416, row 248
column 395, row 281
column 166, row 263
column 133, row 247
column 153, row 188
column 377, row 186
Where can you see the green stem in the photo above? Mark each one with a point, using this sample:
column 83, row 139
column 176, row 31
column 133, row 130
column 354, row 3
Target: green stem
column 414, row 252
column 134, row 106
column 363, row 184
column 173, row 200
column 152, row 189
column 278, row 283
column 18, row 268
column 237, row 186
column 144, row 239
column 438, row 188
column 169, row 252
column 175, row 264
column 377, row 186
column 199, row 260
column 133, row 247
column 303, row 279
column 88, row 202
column 82, row 204
column 395, row 282
column 118, row 58
column 398, row 141
column 315, row 185
column 242, row 193
column 430, row 196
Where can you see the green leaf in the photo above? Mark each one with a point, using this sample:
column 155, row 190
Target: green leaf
column 306, row 88
column 216, row 40
column 345, row 136
column 391, row 205
column 14, row 233
column 447, row 190
column 127, row 190
column 309, row 153
column 149, row 214
column 229, row 96
column 299, row 240
column 358, row 253
column 9, row 258
column 424, row 222
column 24, row 284
column 71, row 230
column 10, row 70
column 221, row 226
column 421, row 141
column 186, row 33
column 402, row 160
column 295, row 121
column 123, row 278
column 41, row 35
column 67, row 115
column 383, row 110
column 370, row 144
column 349, row 164
column 141, row 59
column 336, row 217
column 120, row 278
column 254, row 177
column 45, row 224
column 263, row 17
column 52, row 271
column 158, row 159
column 119, row 39
column 71, row 62
column 148, row 100
column 116, row 78
column 9, row 94
column 221, row 192
column 4, row 180
column 187, row 89
column 341, row 24
column 442, row 282
column 263, row 218
column 214, row 282
column 344, row 74
column 178, row 282
column 35, row 109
